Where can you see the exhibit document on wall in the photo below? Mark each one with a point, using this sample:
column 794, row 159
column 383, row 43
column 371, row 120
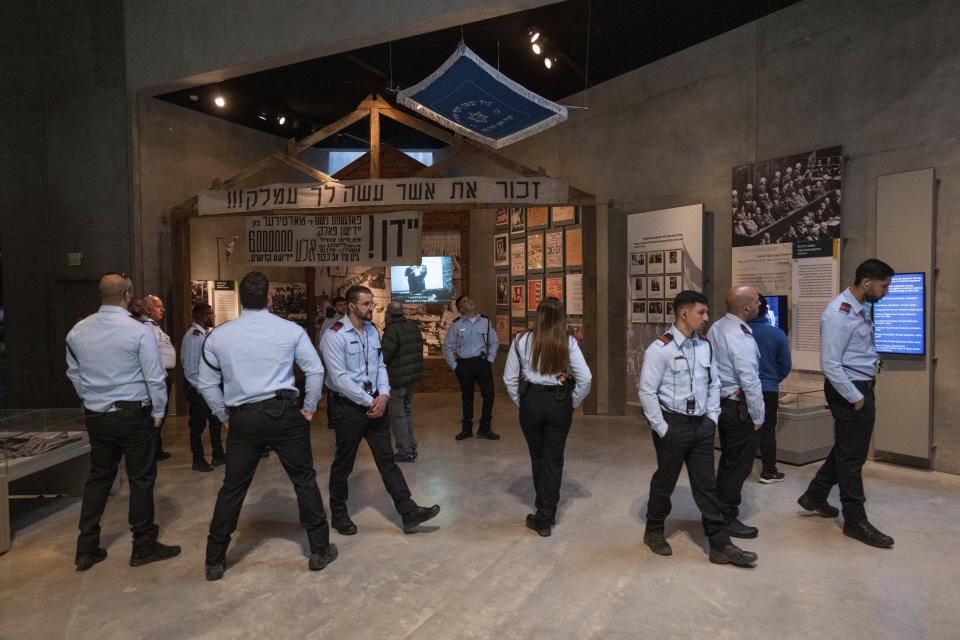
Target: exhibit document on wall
column 816, row 281
column 664, row 256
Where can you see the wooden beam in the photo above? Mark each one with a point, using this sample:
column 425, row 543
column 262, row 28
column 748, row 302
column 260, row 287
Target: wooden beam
column 330, row 129
column 419, row 125
column 302, row 167
column 249, row 172
column 437, row 168
column 375, row 143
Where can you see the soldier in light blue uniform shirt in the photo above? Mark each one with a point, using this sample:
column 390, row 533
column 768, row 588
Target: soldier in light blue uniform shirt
column 680, row 393
column 850, row 365
column 114, row 364
column 470, row 348
column 254, row 355
column 741, row 401
column 359, row 393
column 200, row 413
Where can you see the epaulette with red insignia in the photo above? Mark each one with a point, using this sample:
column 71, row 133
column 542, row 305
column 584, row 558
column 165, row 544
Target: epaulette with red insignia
column 845, row 307
column 744, row 328
column 666, row 338
column 197, row 332
column 336, row 326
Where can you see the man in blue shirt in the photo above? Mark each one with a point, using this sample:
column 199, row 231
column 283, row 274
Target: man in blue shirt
column 850, row 365
column 359, row 394
column 775, row 365
column 741, row 401
column 470, row 348
column 114, row 364
column 200, row 413
column 253, row 357
column 680, row 394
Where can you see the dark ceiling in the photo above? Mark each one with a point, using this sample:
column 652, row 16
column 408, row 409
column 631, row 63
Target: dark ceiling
column 624, row 35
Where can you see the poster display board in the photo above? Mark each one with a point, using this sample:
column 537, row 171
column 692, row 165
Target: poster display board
column 899, row 318
column 226, row 301
column 664, row 257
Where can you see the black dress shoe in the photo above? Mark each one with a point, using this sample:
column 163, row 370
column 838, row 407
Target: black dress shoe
column 823, row 509
column 319, row 560
column 737, row 529
column 732, row 554
column 868, row 534
column 463, row 435
column 162, row 455
column 343, row 524
column 418, row 516
column 489, row 435
column 404, row 457
column 657, row 543
column 214, row 572
column 160, row 552
column 539, row 525
column 87, row 560
column 218, row 459
column 202, row 465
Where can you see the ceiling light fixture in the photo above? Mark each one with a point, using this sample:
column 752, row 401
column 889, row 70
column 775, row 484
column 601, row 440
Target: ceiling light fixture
column 534, row 34
column 194, row 97
column 282, row 120
column 220, row 102
column 262, row 115
column 549, row 61
column 537, row 49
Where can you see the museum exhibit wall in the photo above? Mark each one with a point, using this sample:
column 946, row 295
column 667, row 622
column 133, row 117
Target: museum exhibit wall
column 882, row 81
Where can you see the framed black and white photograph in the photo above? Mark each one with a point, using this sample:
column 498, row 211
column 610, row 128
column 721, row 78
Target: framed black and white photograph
column 503, row 289
column 655, row 262
column 673, row 284
column 668, row 316
column 638, row 287
column 655, row 313
column 639, row 311
column 518, row 221
column 674, row 263
column 638, row 263
column 501, row 250
column 655, row 287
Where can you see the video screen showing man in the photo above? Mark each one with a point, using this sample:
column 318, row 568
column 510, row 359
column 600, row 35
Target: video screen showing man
column 429, row 281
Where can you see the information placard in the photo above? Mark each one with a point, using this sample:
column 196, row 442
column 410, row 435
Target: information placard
column 898, row 319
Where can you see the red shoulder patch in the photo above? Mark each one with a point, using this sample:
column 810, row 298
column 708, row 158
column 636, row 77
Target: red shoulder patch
column 703, row 337
column 665, row 339
column 336, row 326
column 845, row 307
column 197, row 332
column 744, row 328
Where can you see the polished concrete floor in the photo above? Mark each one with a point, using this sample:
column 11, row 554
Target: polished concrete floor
column 478, row 572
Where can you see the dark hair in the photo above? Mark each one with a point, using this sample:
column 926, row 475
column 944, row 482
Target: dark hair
column 337, row 299
column 688, row 298
column 456, row 304
column 200, row 311
column 873, row 269
column 353, row 293
column 762, row 313
column 253, row 290
column 550, row 351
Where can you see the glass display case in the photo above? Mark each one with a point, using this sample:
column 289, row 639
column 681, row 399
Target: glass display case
column 805, row 425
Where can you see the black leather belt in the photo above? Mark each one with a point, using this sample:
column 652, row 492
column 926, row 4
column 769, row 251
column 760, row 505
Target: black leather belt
column 342, row 398
column 865, row 384
column 269, row 404
column 671, row 416
column 730, row 403
column 122, row 406
column 544, row 387
column 480, row 357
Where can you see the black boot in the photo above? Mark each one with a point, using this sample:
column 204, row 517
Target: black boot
column 214, row 571
column 823, row 509
column 488, row 434
column 86, row 560
column 655, row 539
column 413, row 519
column 219, row 458
column 343, row 524
column 319, row 560
column 732, row 554
column 538, row 524
column 737, row 529
column 464, row 434
column 160, row 552
column 199, row 464
column 867, row 534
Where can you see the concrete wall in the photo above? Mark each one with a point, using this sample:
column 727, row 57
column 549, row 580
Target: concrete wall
column 882, row 79
column 180, row 43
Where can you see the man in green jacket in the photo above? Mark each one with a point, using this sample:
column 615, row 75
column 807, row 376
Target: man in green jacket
column 402, row 346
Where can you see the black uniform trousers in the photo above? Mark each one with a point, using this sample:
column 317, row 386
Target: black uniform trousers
column 477, row 370
column 768, row 434
column 200, row 417
column 738, row 446
column 131, row 435
column 545, row 421
column 852, row 430
column 352, row 425
column 278, row 424
column 689, row 440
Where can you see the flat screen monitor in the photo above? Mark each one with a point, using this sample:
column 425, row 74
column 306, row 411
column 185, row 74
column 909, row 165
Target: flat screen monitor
column 898, row 319
column 777, row 315
column 429, row 281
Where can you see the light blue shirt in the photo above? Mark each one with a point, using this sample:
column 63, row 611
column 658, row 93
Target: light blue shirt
column 520, row 354
column 329, row 322
column 469, row 338
column 738, row 363
column 676, row 368
column 352, row 358
column 113, row 358
column 847, row 353
column 253, row 355
column 190, row 353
